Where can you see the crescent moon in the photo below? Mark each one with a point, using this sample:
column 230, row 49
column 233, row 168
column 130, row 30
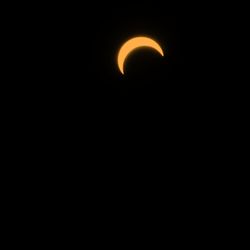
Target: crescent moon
column 133, row 44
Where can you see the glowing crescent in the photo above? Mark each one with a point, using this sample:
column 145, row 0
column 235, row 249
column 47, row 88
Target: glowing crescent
column 135, row 43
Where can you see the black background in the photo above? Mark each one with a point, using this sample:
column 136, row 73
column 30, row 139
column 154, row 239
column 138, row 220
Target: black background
column 94, row 138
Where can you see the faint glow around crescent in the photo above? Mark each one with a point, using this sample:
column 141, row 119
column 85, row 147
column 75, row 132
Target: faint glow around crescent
column 135, row 43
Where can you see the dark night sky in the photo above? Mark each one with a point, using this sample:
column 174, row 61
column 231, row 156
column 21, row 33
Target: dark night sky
column 148, row 135
column 112, row 151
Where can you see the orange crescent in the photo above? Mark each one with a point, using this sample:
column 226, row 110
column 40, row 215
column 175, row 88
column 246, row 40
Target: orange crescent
column 133, row 44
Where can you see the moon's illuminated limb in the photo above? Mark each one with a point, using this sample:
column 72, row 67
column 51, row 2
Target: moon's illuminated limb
column 135, row 43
